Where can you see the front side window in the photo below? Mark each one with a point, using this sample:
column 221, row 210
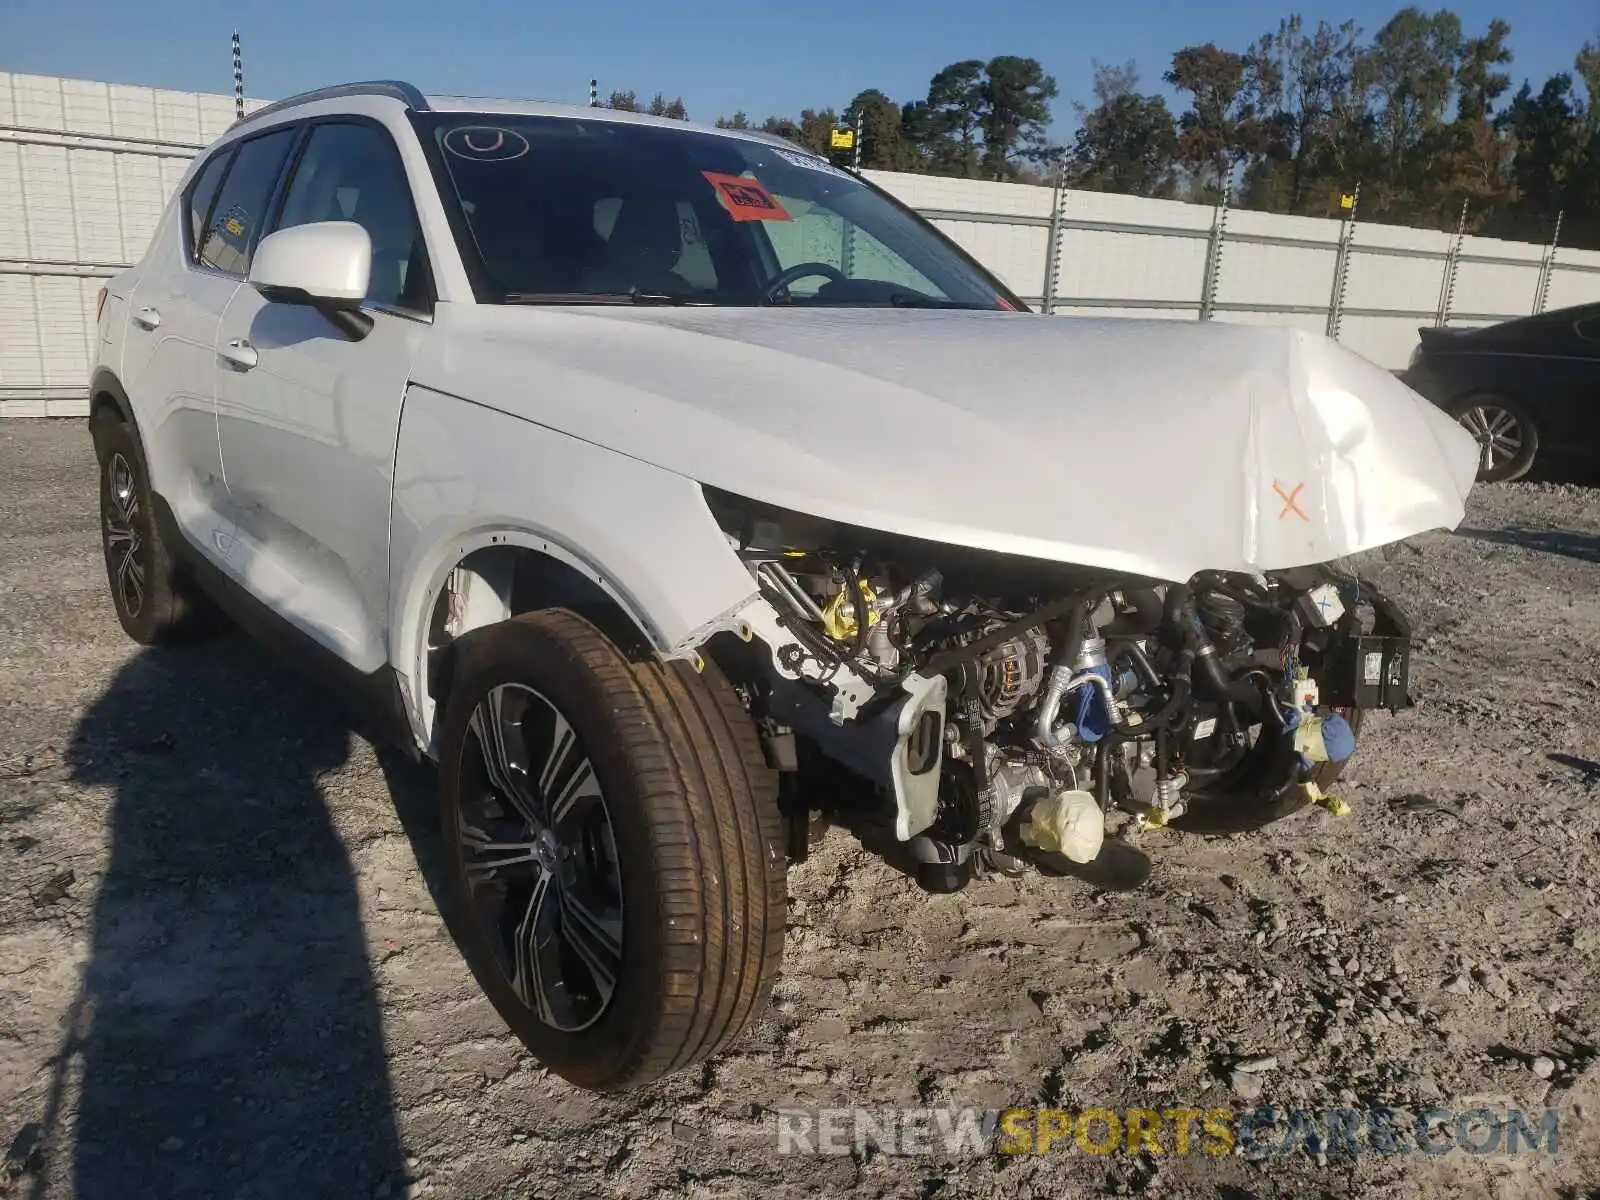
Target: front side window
column 352, row 172
column 201, row 193
column 563, row 210
column 235, row 223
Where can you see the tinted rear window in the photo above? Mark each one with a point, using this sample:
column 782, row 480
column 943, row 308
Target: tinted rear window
column 201, row 193
column 240, row 209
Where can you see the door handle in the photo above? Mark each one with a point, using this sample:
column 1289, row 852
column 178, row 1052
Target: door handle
column 147, row 317
column 240, row 353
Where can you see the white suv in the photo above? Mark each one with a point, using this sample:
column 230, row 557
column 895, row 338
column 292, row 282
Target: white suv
column 668, row 486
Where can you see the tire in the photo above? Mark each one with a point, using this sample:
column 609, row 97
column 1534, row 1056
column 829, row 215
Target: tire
column 627, row 916
column 1222, row 815
column 154, row 602
column 1508, row 439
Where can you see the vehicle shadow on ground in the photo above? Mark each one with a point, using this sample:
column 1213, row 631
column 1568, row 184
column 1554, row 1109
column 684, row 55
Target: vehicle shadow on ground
column 228, row 1030
column 1585, row 547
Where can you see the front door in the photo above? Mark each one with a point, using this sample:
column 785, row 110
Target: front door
column 308, row 418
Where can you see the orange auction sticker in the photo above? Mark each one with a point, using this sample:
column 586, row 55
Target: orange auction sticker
column 745, row 199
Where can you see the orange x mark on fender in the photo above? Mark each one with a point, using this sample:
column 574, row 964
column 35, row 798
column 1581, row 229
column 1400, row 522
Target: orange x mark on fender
column 1291, row 500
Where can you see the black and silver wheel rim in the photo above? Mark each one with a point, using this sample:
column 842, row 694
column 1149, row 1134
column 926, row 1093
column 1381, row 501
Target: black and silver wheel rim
column 124, row 541
column 1499, row 435
column 540, row 858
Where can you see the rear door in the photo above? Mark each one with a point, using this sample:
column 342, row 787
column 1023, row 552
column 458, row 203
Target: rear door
column 308, row 418
column 167, row 353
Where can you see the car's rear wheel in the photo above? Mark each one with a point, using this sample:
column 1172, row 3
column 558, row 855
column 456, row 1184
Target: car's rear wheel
column 614, row 853
column 154, row 602
column 1508, row 440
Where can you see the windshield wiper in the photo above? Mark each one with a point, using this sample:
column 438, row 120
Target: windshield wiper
column 913, row 300
column 635, row 296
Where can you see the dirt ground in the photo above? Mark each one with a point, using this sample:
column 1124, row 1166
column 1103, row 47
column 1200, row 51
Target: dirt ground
column 223, row 972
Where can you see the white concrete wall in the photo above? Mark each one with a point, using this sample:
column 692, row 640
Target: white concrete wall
column 1127, row 256
column 85, row 169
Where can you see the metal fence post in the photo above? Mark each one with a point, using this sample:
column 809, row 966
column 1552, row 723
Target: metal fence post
column 1452, row 263
column 1547, row 267
column 1213, row 275
column 238, row 78
column 1341, row 264
column 1052, row 248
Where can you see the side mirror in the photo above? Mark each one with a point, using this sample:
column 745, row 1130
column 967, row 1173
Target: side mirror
column 325, row 265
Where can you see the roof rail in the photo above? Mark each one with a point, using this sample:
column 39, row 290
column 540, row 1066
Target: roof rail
column 406, row 93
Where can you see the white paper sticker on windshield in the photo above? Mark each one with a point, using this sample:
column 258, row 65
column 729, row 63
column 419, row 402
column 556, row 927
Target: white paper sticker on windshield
column 811, row 163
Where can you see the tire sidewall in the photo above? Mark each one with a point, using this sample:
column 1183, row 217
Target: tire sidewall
column 112, row 438
column 518, row 652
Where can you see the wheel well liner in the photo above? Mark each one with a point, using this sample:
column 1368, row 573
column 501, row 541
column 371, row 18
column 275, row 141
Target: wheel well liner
column 106, row 391
column 507, row 581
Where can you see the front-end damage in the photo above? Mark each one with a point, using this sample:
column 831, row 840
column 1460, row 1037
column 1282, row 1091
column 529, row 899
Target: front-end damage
column 958, row 707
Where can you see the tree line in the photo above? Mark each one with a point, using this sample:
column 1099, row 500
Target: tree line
column 1421, row 114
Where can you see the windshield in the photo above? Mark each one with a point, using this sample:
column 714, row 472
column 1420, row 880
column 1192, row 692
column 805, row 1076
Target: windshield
column 563, row 210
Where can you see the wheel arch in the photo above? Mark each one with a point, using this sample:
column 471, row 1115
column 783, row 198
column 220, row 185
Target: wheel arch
column 489, row 576
column 106, row 394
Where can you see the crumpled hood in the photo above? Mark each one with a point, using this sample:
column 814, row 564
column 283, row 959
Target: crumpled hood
column 1157, row 447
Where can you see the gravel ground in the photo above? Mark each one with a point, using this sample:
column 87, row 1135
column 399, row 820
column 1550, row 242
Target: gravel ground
column 223, row 972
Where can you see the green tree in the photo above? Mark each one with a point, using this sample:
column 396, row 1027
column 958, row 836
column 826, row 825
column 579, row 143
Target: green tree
column 1224, row 124
column 1583, row 191
column 816, row 129
column 738, row 121
column 660, row 106
column 781, row 127
column 624, row 102
column 1545, row 130
column 955, row 119
column 1409, row 69
column 1310, row 79
column 920, row 135
column 1478, row 84
column 1465, row 159
column 1014, row 113
column 1127, row 142
column 880, row 130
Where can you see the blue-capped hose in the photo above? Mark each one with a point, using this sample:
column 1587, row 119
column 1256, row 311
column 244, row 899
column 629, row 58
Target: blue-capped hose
column 1094, row 718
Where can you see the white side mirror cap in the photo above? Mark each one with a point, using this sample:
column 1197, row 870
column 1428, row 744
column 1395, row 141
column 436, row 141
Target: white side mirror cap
column 327, row 263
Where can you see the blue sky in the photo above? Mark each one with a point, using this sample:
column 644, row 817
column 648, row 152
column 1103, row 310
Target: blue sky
column 760, row 57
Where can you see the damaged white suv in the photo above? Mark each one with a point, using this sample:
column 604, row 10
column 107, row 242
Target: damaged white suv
column 669, row 486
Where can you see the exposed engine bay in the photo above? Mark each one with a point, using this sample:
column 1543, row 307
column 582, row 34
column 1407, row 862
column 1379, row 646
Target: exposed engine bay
column 964, row 710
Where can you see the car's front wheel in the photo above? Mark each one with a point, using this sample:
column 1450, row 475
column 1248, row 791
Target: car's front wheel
column 614, row 853
column 1508, row 440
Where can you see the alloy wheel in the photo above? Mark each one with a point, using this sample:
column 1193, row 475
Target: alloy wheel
column 124, row 539
column 1499, row 435
column 540, row 858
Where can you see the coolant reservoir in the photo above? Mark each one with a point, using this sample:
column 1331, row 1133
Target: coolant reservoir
column 1067, row 823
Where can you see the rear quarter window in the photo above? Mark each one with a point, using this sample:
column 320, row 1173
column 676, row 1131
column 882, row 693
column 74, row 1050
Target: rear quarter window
column 201, row 193
column 236, row 218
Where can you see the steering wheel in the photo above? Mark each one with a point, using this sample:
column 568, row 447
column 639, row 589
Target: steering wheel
column 783, row 279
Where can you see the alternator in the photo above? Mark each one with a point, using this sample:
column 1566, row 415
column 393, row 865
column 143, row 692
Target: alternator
column 1007, row 676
